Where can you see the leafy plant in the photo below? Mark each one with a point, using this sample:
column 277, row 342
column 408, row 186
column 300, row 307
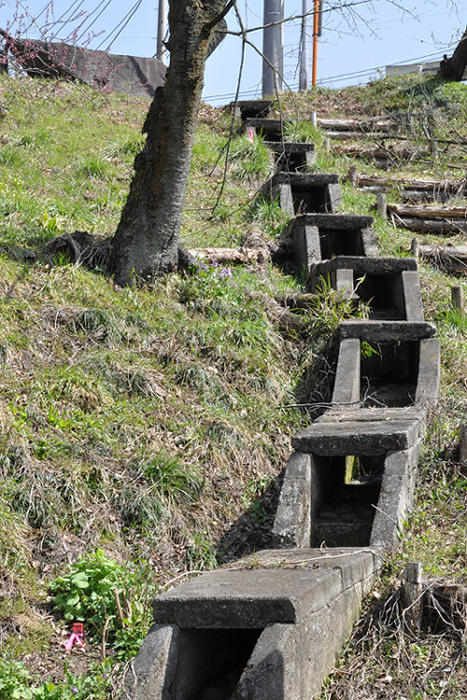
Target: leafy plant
column 15, row 681
column 89, row 593
column 96, row 684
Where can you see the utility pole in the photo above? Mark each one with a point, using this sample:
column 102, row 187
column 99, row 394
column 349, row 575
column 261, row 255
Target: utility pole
column 304, row 58
column 316, row 33
column 273, row 46
column 161, row 31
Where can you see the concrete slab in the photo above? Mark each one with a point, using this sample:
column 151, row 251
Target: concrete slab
column 293, row 157
column 362, row 265
column 252, row 109
column 371, row 414
column 306, row 248
column 340, row 234
column 386, row 331
column 291, row 526
column 270, row 129
column 266, row 588
column 347, row 379
column 356, row 438
column 283, row 661
column 396, row 496
column 345, row 284
column 310, row 192
column 305, row 180
column 412, row 296
column 340, row 222
column 429, row 373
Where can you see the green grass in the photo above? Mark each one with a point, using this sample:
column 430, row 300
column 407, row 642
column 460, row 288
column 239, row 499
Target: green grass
column 145, row 422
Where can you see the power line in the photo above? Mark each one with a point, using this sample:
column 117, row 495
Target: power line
column 123, row 22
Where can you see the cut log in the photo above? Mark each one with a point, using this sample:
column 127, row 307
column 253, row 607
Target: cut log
column 453, row 186
column 440, row 227
column 231, row 256
column 376, row 136
column 428, row 212
column 452, row 259
column 356, row 124
column 445, row 253
column 395, row 152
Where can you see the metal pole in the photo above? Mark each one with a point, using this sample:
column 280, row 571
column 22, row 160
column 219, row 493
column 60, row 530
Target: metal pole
column 162, row 31
column 304, row 58
column 315, row 42
column 273, row 46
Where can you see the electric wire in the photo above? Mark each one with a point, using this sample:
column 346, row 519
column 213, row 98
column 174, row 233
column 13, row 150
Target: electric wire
column 88, row 27
column 128, row 17
column 59, row 20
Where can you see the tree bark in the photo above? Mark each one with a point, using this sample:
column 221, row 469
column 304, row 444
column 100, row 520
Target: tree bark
column 453, row 68
column 146, row 241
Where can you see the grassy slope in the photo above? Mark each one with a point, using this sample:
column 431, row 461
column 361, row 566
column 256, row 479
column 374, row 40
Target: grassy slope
column 148, row 422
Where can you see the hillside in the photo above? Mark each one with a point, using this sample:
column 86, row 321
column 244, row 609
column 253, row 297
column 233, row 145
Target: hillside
column 144, row 431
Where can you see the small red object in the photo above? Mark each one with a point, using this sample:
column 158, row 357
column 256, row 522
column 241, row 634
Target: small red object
column 78, row 628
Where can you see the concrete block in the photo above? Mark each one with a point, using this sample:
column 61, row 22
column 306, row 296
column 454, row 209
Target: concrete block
column 338, row 222
column 386, row 331
column 293, row 157
column 347, row 380
column 292, row 522
column 355, row 438
column 333, row 198
column 274, row 189
column 344, row 283
column 253, row 109
column 269, row 129
column 361, row 265
column 149, row 671
column 281, row 661
column 306, row 247
column 369, row 243
column 341, row 235
column 429, row 373
column 373, row 414
column 412, row 296
column 273, row 670
column 396, row 496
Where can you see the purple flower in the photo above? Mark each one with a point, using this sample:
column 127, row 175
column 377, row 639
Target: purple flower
column 74, row 689
column 225, row 272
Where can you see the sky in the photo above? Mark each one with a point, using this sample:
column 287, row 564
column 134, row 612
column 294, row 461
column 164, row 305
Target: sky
column 359, row 37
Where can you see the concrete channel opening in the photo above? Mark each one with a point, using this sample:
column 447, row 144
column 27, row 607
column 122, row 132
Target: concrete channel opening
column 389, row 373
column 384, row 294
column 210, row 663
column 344, row 503
column 336, row 242
column 291, row 161
column 310, row 200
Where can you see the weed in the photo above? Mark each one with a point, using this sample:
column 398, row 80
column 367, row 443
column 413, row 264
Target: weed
column 15, row 681
column 270, row 215
column 251, row 159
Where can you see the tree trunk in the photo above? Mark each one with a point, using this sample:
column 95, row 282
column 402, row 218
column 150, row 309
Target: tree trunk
column 146, row 241
column 453, row 68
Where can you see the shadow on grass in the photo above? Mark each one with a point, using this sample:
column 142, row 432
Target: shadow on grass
column 252, row 531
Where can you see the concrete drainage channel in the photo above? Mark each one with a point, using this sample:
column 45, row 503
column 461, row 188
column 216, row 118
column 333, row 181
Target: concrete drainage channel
column 270, row 625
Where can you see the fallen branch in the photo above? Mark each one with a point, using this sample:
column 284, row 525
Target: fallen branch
column 443, row 212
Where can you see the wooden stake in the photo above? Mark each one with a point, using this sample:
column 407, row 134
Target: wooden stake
column 381, row 205
column 457, row 299
column 412, row 597
column 415, row 248
column 463, row 444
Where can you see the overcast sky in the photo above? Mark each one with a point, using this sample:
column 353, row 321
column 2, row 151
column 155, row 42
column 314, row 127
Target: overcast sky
column 356, row 44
